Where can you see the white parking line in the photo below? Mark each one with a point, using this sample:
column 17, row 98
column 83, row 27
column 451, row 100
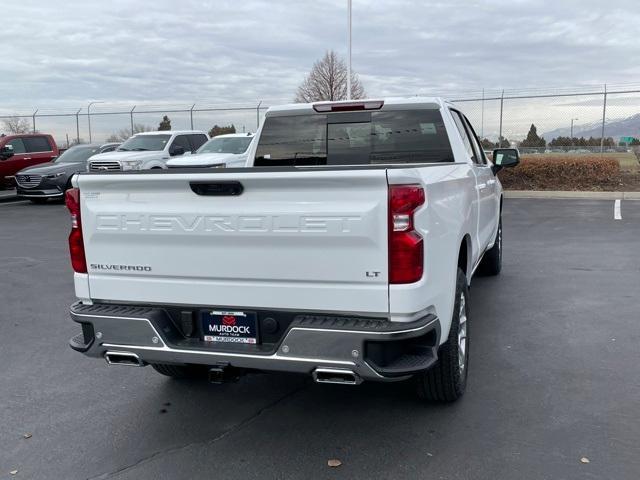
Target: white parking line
column 617, row 214
column 13, row 203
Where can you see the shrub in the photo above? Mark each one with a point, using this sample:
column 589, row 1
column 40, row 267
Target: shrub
column 562, row 172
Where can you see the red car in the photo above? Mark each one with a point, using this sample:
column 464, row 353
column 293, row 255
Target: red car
column 24, row 150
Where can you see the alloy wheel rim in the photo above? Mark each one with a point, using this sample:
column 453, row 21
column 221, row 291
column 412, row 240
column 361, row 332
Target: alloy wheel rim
column 462, row 334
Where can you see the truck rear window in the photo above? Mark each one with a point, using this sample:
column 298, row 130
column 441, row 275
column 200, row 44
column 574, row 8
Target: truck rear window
column 355, row 138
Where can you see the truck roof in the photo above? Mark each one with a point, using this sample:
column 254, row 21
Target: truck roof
column 429, row 102
column 171, row 132
column 11, row 136
column 234, row 135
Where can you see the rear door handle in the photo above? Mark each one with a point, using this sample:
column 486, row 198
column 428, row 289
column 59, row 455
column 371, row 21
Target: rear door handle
column 222, row 188
column 27, row 158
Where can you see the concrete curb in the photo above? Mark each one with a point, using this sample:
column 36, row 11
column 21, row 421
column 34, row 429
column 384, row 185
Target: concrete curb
column 570, row 194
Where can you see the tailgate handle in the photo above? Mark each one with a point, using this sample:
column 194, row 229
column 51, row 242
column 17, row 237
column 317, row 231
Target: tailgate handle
column 217, row 189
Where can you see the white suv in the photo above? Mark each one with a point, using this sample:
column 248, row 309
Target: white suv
column 149, row 150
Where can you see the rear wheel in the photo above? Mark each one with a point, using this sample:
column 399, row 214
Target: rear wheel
column 179, row 371
column 447, row 379
column 38, row 201
column 491, row 263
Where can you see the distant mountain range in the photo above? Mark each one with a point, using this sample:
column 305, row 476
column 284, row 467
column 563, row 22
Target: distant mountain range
column 626, row 127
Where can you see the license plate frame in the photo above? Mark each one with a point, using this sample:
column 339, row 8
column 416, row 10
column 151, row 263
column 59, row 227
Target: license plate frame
column 229, row 327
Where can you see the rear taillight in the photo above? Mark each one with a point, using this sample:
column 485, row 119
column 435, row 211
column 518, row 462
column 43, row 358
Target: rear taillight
column 406, row 249
column 76, row 244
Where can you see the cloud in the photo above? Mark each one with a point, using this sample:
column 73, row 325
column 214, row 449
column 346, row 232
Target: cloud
column 60, row 55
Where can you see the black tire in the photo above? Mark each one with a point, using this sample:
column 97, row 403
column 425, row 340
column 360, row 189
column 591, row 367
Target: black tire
column 179, row 371
column 491, row 263
column 39, row 201
column 447, row 379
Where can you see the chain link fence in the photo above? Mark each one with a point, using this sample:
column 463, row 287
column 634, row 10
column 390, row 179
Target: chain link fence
column 98, row 121
column 578, row 120
column 593, row 119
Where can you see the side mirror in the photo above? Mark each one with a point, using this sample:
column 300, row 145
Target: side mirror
column 6, row 151
column 505, row 158
column 176, row 150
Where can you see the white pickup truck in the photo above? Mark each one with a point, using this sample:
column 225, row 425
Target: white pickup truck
column 345, row 252
column 227, row 151
column 149, row 150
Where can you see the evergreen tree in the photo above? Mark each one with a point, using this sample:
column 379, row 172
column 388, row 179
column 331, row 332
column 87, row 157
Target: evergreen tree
column 533, row 140
column 165, row 124
column 503, row 142
column 488, row 144
column 218, row 130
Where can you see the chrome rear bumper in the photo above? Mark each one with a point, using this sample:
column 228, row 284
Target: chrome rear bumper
column 373, row 349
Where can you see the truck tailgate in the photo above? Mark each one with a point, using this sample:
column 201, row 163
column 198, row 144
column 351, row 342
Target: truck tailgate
column 304, row 240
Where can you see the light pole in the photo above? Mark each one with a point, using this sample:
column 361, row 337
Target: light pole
column 89, row 116
column 349, row 52
column 78, row 125
column 572, row 120
column 258, row 115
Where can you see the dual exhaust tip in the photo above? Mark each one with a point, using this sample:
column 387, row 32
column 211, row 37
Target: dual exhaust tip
column 123, row 358
column 336, row 376
column 217, row 374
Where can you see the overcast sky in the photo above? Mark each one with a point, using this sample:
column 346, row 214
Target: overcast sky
column 71, row 52
column 58, row 56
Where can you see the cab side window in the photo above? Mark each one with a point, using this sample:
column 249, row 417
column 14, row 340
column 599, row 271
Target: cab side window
column 197, row 141
column 475, row 142
column 182, row 141
column 18, row 146
column 457, row 118
column 37, row 144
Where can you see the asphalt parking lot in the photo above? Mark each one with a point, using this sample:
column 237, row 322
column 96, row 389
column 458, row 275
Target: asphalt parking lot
column 555, row 349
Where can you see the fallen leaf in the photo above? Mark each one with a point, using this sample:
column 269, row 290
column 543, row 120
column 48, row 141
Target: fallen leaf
column 334, row 462
column 27, row 435
column 13, row 472
column 584, row 460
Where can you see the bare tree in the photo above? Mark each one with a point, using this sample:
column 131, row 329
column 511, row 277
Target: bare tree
column 17, row 125
column 328, row 81
column 124, row 133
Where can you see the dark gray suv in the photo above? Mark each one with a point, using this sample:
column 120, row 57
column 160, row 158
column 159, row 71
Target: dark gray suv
column 50, row 180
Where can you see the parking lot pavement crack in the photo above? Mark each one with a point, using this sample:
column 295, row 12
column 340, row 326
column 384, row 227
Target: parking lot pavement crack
column 239, row 426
